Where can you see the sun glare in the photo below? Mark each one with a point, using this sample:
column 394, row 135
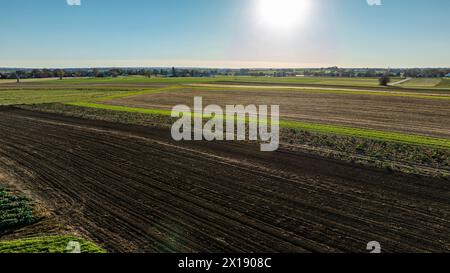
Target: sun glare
column 283, row 14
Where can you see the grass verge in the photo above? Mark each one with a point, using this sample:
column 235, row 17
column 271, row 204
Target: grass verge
column 48, row 244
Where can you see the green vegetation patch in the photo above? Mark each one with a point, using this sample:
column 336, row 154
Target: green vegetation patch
column 123, row 117
column 15, row 211
column 445, row 83
column 368, row 133
column 38, row 96
column 422, row 82
column 11, row 97
column 121, row 108
column 133, row 93
column 382, row 154
column 49, row 244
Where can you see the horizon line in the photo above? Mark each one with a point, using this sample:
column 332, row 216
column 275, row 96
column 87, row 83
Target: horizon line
column 198, row 64
column 206, row 67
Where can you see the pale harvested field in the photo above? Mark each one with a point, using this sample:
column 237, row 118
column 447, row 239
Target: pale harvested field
column 400, row 114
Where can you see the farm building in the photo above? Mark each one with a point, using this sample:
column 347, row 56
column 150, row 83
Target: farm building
column 448, row 75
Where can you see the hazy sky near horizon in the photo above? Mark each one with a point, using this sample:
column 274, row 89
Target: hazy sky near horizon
column 225, row 33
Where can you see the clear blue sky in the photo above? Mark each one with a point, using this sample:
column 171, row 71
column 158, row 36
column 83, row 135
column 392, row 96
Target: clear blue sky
column 223, row 33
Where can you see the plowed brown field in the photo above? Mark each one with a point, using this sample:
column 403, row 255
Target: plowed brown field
column 132, row 188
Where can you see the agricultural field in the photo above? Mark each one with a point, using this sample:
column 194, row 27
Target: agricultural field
column 36, row 96
column 356, row 163
column 445, row 83
column 313, row 80
column 235, row 128
column 422, row 83
column 411, row 114
column 48, row 244
column 164, row 196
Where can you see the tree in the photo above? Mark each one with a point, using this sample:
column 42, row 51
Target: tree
column 61, row 74
column 46, row 73
column 174, row 72
column 114, row 72
column 77, row 74
column 384, row 80
column 17, row 74
column 36, row 73
column 95, row 72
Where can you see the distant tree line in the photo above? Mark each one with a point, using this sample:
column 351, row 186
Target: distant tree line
column 378, row 73
column 197, row 72
column 105, row 72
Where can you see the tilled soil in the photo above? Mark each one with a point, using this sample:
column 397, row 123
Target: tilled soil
column 398, row 114
column 132, row 188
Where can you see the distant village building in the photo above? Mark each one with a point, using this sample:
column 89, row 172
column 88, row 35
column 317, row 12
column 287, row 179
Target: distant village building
column 448, row 75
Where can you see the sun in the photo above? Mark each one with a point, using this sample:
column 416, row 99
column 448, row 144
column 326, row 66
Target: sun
column 283, row 14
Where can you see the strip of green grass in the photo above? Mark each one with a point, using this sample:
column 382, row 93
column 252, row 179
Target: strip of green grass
column 321, row 128
column 368, row 133
column 135, row 93
column 49, row 244
column 12, row 97
column 445, row 83
column 23, row 96
column 121, row 108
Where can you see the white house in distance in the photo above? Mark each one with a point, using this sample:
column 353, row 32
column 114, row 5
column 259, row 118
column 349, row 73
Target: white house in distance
column 448, row 75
